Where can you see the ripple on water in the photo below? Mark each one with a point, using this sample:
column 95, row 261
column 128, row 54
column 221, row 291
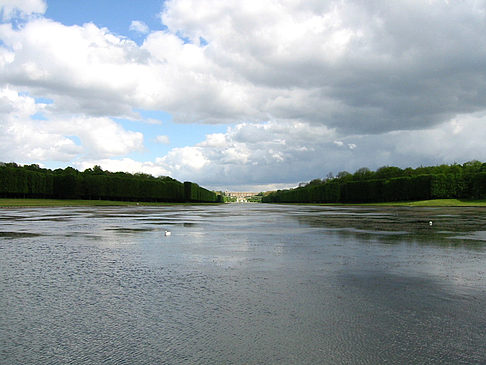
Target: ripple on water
column 18, row 234
column 263, row 284
column 475, row 236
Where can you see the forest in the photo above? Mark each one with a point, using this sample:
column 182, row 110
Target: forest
column 32, row 181
column 391, row 184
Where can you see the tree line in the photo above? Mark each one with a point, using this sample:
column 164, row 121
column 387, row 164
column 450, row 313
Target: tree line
column 32, row 181
column 389, row 183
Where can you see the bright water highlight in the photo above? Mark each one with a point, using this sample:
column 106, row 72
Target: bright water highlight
column 242, row 284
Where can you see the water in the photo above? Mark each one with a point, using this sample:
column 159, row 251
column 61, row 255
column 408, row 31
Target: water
column 242, row 284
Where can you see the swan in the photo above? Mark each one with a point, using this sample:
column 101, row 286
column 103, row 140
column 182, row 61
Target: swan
column 167, row 233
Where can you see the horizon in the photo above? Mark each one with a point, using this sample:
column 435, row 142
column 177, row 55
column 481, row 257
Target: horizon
column 358, row 175
column 242, row 96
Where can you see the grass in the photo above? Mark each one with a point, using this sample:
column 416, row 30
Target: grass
column 419, row 203
column 433, row 203
column 441, row 203
column 6, row 203
column 78, row 203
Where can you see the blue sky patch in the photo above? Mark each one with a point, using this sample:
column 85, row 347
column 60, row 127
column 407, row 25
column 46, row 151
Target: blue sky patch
column 43, row 101
column 121, row 14
column 38, row 116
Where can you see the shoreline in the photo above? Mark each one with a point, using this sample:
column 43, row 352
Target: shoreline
column 419, row 203
column 35, row 203
column 20, row 202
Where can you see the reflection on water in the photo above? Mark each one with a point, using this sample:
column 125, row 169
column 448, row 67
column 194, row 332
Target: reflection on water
column 242, row 284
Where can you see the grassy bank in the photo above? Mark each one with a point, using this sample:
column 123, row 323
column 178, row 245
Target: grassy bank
column 76, row 203
column 419, row 203
column 6, row 203
column 439, row 203
column 426, row 203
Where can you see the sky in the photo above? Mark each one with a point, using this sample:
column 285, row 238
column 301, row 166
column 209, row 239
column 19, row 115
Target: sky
column 251, row 95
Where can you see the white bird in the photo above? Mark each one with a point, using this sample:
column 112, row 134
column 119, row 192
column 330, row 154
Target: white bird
column 430, row 223
column 167, row 233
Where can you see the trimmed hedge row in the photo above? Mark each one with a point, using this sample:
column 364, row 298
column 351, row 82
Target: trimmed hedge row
column 17, row 182
column 194, row 193
column 28, row 182
column 419, row 187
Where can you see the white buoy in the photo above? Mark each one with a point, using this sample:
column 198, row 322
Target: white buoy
column 166, row 233
column 430, row 223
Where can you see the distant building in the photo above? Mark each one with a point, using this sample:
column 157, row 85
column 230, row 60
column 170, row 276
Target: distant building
column 239, row 194
column 241, row 197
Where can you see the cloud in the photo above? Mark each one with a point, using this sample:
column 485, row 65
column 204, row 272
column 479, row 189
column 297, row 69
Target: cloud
column 162, row 139
column 357, row 67
column 124, row 165
column 253, row 156
column 101, row 137
column 12, row 8
column 139, row 27
column 25, row 138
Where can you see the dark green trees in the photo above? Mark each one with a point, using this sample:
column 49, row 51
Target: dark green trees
column 194, row 193
column 392, row 184
column 34, row 182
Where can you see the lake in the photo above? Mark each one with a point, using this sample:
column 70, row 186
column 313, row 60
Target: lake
column 242, row 284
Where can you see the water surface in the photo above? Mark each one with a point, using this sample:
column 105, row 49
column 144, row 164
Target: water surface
column 242, row 284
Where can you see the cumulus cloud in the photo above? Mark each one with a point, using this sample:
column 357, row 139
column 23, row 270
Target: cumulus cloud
column 125, row 165
column 100, row 137
column 25, row 137
column 83, row 68
column 139, row 27
column 251, row 154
